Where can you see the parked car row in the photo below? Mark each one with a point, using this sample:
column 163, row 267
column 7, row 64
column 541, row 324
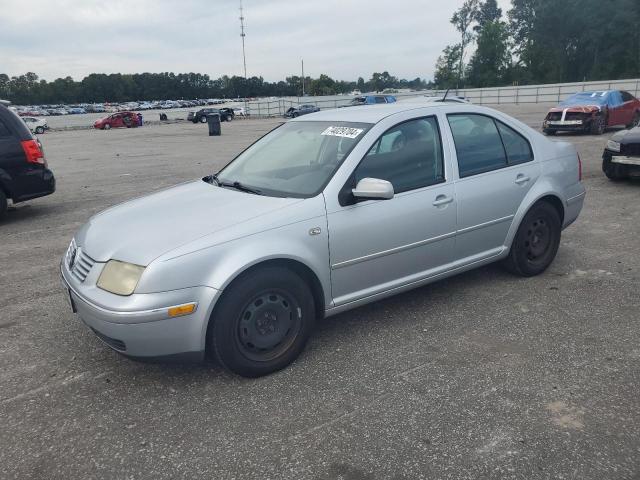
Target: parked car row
column 47, row 110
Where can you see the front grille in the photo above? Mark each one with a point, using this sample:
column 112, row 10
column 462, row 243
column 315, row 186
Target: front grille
column 78, row 262
column 574, row 116
column 630, row 149
column 112, row 342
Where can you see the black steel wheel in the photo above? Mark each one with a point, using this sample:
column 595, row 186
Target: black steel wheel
column 536, row 242
column 262, row 322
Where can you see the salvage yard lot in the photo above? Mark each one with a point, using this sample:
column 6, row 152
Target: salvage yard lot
column 484, row 375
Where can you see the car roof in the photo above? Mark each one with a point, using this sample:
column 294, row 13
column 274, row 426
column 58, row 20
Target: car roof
column 365, row 113
column 376, row 113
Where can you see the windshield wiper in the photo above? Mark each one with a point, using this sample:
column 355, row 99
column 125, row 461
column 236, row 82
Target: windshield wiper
column 239, row 186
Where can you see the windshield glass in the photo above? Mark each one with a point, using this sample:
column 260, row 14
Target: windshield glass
column 586, row 98
column 296, row 159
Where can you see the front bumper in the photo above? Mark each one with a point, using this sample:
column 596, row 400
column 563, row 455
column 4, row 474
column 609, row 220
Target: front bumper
column 147, row 332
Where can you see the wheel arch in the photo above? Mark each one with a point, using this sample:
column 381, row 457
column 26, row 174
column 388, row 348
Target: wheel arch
column 296, row 266
column 550, row 197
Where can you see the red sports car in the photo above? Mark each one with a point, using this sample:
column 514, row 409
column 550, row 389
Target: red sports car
column 120, row 119
column 593, row 112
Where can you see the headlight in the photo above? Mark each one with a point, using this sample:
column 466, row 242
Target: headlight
column 119, row 277
column 613, row 146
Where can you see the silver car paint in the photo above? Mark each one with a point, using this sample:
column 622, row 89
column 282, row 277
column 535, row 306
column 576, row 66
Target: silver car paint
column 195, row 239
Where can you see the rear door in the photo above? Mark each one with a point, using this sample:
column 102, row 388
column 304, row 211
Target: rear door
column 495, row 172
column 628, row 107
column 617, row 114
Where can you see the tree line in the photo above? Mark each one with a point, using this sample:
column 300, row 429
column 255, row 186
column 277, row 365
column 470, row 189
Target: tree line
column 28, row 89
column 541, row 41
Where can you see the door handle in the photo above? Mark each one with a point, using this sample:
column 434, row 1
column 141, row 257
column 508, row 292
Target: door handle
column 442, row 200
column 522, row 179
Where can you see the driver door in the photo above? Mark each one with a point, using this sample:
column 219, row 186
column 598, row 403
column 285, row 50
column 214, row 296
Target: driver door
column 377, row 245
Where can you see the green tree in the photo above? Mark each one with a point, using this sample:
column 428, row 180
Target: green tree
column 490, row 62
column 462, row 19
column 447, row 73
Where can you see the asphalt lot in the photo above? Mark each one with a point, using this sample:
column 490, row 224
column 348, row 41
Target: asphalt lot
column 484, row 375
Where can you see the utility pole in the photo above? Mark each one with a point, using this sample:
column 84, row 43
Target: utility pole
column 244, row 57
column 303, row 77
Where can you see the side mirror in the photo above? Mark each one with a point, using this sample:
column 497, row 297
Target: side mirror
column 373, row 189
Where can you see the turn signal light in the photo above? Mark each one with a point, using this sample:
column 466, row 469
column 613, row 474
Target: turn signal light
column 180, row 310
column 33, row 152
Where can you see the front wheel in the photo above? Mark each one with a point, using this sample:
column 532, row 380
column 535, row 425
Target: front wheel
column 106, row 127
column 536, row 242
column 229, row 118
column 203, row 119
column 262, row 322
column 635, row 121
column 598, row 125
column 39, row 130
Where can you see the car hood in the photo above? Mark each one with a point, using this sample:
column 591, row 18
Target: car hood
column 576, row 108
column 140, row 230
column 627, row 136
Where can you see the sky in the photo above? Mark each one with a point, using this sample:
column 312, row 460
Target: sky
column 344, row 39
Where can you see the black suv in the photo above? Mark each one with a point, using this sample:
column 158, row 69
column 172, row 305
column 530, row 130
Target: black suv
column 23, row 169
column 226, row 114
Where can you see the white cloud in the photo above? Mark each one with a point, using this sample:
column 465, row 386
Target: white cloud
column 342, row 39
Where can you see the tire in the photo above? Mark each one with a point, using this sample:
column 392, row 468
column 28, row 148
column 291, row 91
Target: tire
column 107, row 126
column 536, row 242
column 39, row 130
column 635, row 122
column 3, row 205
column 295, row 115
column 262, row 322
column 203, row 119
column 229, row 118
column 598, row 124
column 549, row 132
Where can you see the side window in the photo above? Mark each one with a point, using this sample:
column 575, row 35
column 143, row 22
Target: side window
column 478, row 144
column 517, row 147
column 380, row 100
column 4, row 131
column 626, row 96
column 408, row 155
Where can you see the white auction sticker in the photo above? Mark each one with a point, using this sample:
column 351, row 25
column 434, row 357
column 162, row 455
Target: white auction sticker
column 348, row 132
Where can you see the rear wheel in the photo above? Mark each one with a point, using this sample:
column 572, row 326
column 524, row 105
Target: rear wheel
column 3, row 205
column 39, row 130
column 536, row 242
column 229, row 117
column 203, row 119
column 635, row 121
column 107, row 126
column 598, row 125
column 262, row 322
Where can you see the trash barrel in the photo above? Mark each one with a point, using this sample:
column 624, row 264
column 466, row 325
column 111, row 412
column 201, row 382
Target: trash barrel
column 213, row 121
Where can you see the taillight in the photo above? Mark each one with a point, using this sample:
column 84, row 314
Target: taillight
column 33, row 152
column 579, row 168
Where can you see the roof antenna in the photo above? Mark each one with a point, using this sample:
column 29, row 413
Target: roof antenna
column 445, row 95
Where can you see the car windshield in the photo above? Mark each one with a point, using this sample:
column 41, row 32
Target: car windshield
column 296, row 159
column 586, row 98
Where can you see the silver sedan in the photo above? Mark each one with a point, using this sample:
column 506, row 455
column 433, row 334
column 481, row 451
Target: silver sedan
column 327, row 212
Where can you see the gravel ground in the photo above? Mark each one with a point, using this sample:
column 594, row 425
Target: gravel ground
column 484, row 375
